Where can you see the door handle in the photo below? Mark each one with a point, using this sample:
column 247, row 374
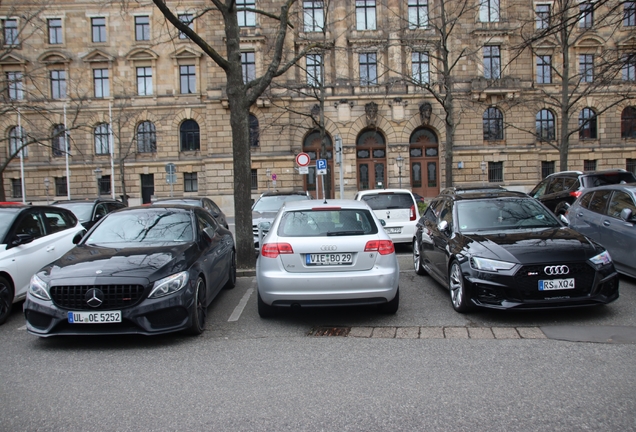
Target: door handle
column 606, row 223
column 579, row 215
column 50, row 248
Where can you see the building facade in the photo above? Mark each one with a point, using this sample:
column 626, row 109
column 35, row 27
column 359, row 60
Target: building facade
column 107, row 97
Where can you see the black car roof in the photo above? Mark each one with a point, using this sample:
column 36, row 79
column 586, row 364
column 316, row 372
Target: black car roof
column 494, row 193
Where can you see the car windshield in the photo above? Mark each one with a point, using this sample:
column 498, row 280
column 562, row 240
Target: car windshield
column 130, row 228
column 6, row 219
column 82, row 210
column 324, row 223
column 389, row 201
column 503, row 214
column 273, row 203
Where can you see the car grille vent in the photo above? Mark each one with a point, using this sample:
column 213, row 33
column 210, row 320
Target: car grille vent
column 330, row 331
column 114, row 296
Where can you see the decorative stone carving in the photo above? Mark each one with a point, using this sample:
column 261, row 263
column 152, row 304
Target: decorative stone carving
column 371, row 110
column 426, row 109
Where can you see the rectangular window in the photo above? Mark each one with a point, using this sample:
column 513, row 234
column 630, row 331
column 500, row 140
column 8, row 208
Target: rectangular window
column 418, row 14
column 16, row 188
column 245, row 17
column 313, row 16
column 586, row 15
column 144, row 81
column 495, row 172
column 544, row 69
column 492, row 62
column 629, row 14
column 98, row 26
column 542, row 13
column 589, row 165
column 365, row 14
column 420, row 67
column 248, row 64
column 186, row 19
column 630, row 165
column 489, row 10
column 100, row 82
column 190, row 183
column 15, row 85
column 60, row 186
column 142, row 28
column 629, row 67
column 58, row 84
column 104, row 185
column 368, row 69
column 55, row 31
column 547, row 168
column 254, row 179
column 314, row 70
column 586, row 67
column 10, row 27
column 188, row 79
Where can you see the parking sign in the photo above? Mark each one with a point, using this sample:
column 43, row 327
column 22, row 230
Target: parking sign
column 321, row 166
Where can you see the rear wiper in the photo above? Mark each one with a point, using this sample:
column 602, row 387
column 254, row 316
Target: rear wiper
column 342, row 233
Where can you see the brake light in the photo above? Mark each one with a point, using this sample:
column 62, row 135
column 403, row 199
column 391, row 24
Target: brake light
column 383, row 247
column 325, row 208
column 412, row 215
column 272, row 250
column 575, row 194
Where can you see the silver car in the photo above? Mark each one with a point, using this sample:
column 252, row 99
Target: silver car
column 607, row 215
column 331, row 253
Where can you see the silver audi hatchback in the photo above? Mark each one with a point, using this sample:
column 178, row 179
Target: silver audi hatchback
column 327, row 253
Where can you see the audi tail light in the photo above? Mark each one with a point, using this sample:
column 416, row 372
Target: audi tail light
column 383, row 247
column 272, row 250
column 413, row 214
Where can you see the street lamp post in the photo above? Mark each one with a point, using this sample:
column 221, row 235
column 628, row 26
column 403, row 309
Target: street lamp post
column 98, row 178
column 400, row 162
column 47, row 183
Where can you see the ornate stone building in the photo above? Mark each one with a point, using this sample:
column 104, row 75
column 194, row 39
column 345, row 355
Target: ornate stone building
column 136, row 95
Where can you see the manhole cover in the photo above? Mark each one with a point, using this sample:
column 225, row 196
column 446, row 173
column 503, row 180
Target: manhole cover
column 331, row 331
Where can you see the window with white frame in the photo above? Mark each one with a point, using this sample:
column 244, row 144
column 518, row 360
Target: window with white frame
column 489, row 10
column 15, row 85
column 101, row 83
column 246, row 18
column 365, row 15
column 368, row 69
column 418, row 14
column 314, row 70
column 313, row 15
column 144, row 81
column 55, row 31
column 101, row 136
column 420, row 67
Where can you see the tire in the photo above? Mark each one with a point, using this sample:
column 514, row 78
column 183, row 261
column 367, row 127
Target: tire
column 231, row 281
column 6, row 299
column 199, row 310
column 458, row 294
column 392, row 306
column 417, row 259
column 264, row 310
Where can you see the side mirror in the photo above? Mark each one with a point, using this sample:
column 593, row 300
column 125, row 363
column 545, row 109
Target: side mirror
column 563, row 219
column 78, row 237
column 626, row 215
column 561, row 208
column 264, row 226
column 443, row 226
column 21, row 239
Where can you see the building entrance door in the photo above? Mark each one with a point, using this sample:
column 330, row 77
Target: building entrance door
column 371, row 160
column 424, row 163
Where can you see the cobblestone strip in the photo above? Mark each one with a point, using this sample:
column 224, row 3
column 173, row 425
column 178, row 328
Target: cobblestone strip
column 447, row 332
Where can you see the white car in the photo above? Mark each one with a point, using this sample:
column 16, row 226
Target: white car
column 31, row 237
column 397, row 208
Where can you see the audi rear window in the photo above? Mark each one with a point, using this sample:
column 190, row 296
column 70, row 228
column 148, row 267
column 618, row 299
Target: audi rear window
column 383, row 201
column 321, row 223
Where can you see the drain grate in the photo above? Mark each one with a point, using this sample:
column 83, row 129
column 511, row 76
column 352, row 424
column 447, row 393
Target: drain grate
column 330, row 331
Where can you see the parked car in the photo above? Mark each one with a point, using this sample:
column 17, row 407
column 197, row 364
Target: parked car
column 268, row 204
column 206, row 203
column 397, row 208
column 32, row 237
column 143, row 270
column 607, row 214
column 331, row 253
column 90, row 211
column 506, row 250
column 559, row 190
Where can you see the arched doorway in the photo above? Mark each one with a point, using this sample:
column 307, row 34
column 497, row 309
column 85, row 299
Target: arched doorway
column 311, row 146
column 424, row 159
column 371, row 160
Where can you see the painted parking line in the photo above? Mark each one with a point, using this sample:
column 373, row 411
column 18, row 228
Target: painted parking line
column 22, row 328
column 238, row 310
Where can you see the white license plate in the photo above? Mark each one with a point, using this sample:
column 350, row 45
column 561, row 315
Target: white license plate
column 397, row 230
column 94, row 317
column 329, row 259
column 556, row 284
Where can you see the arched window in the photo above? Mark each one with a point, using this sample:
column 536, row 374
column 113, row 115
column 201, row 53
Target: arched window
column 190, row 137
column 254, row 131
column 587, row 124
column 102, row 146
column 146, row 137
column 545, row 125
column 58, row 141
column 628, row 123
column 17, row 138
column 493, row 124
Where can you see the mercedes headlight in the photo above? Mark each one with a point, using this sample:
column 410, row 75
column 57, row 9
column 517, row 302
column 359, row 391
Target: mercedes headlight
column 38, row 288
column 601, row 259
column 169, row 285
column 490, row 265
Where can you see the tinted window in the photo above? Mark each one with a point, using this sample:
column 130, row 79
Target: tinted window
column 31, row 224
column 599, row 201
column 569, row 183
column 58, row 221
column 501, row 214
column 83, row 210
column 555, row 186
column 308, row 223
column 447, row 214
column 539, row 190
column 620, row 200
column 389, row 201
column 585, row 200
column 608, row 179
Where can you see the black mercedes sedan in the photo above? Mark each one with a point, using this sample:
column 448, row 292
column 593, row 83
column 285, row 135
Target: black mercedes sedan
column 505, row 250
column 144, row 270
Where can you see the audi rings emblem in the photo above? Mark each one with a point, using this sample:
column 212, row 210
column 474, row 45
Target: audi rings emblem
column 94, row 297
column 328, row 248
column 556, row 270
